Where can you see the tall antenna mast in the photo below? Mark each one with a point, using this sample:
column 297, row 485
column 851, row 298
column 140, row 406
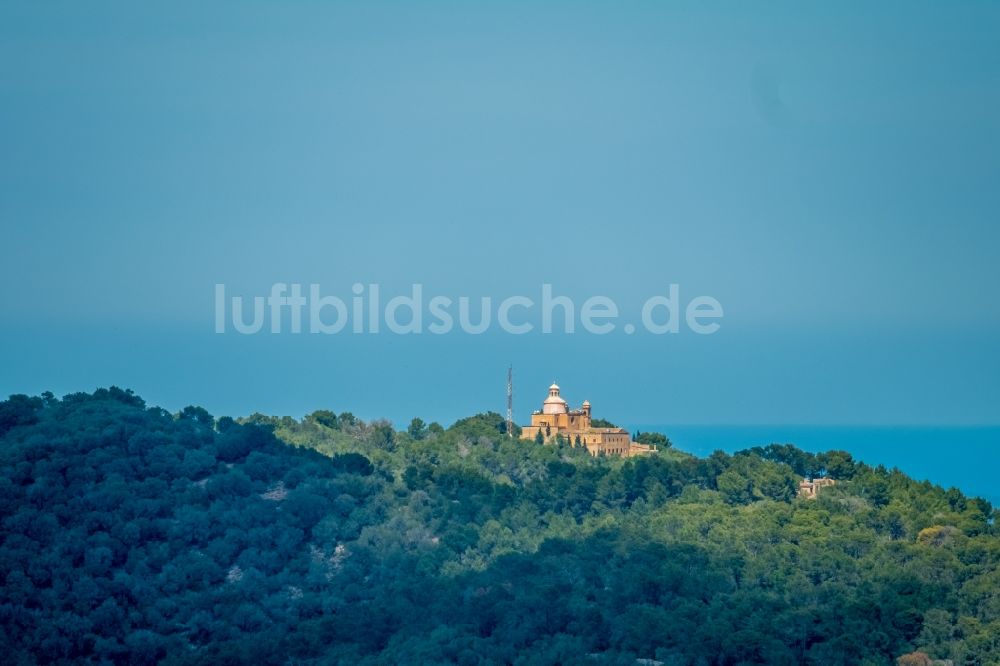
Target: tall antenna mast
column 510, row 401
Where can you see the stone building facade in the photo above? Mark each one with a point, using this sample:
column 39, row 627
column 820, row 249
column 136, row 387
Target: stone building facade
column 574, row 425
column 809, row 488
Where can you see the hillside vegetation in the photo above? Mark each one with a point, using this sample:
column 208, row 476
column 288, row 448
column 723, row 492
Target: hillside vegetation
column 132, row 535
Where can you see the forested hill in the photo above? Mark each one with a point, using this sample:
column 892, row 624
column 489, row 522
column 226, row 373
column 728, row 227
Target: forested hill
column 131, row 535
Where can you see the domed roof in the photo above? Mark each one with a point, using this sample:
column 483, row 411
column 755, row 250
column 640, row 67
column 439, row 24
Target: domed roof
column 554, row 404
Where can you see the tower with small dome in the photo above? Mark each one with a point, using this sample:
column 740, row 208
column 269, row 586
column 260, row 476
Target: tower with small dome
column 556, row 419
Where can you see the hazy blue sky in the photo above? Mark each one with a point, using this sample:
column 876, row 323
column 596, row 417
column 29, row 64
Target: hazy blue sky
column 829, row 175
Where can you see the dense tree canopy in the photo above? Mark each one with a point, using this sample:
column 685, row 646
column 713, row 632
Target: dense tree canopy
column 656, row 439
column 131, row 535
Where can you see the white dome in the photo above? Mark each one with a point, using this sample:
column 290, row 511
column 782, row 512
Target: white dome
column 554, row 404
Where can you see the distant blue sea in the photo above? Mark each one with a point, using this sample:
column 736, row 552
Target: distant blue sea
column 967, row 458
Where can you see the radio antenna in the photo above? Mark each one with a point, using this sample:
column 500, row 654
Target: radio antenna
column 510, row 401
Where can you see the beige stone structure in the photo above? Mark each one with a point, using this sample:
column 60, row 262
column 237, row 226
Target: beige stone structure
column 555, row 418
column 809, row 488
